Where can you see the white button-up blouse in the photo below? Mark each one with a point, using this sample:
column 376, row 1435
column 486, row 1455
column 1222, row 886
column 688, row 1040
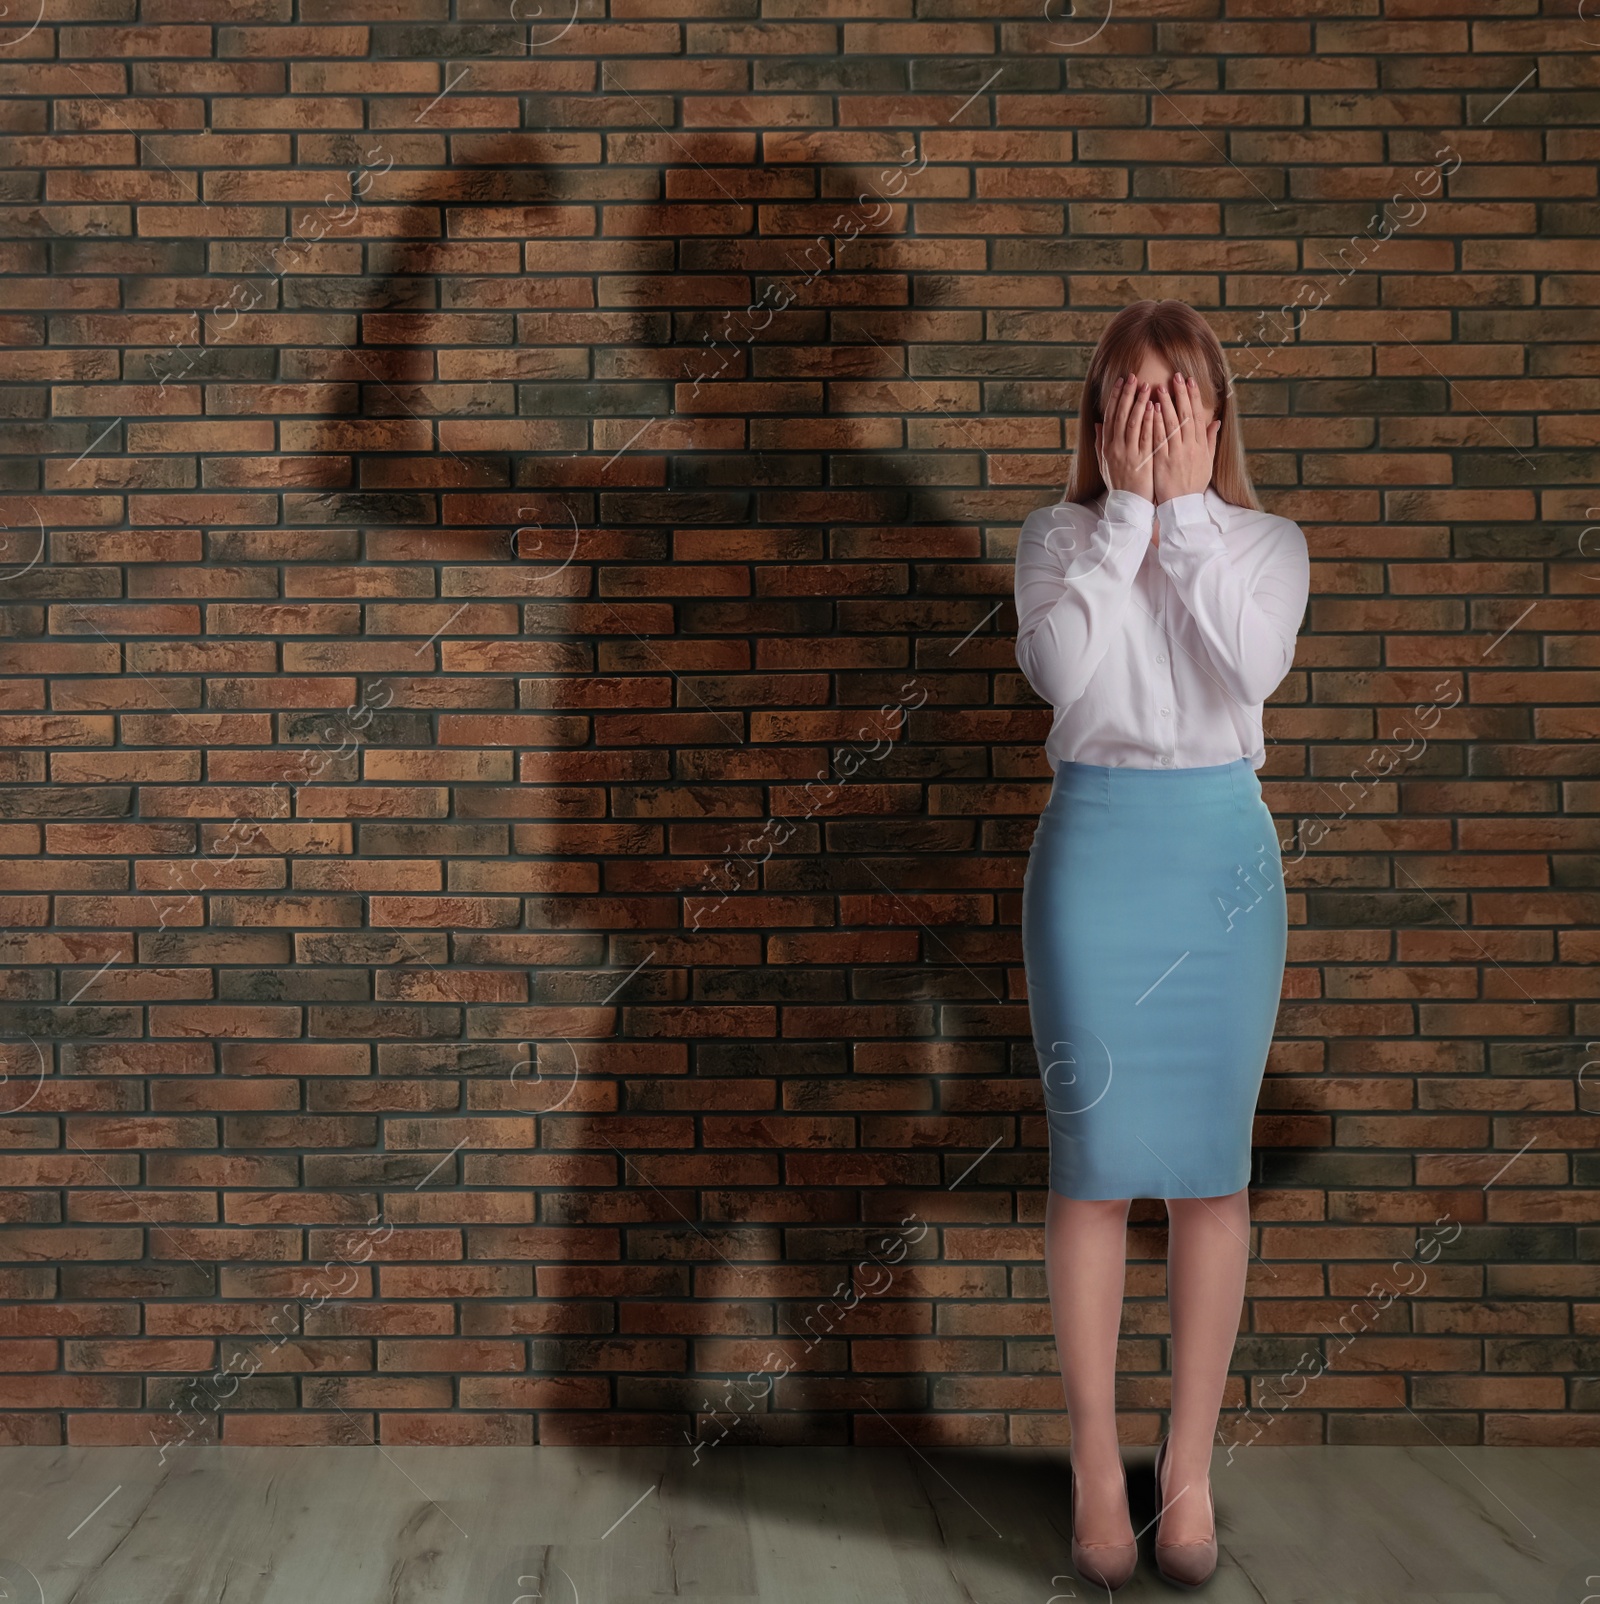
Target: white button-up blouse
column 1158, row 655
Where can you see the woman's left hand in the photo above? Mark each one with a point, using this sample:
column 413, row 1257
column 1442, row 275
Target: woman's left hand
column 1185, row 445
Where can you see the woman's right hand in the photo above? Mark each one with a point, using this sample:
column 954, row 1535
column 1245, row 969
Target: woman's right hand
column 1125, row 441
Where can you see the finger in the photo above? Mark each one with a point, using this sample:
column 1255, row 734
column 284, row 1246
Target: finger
column 1136, row 413
column 1159, row 446
column 1120, row 403
column 1125, row 400
column 1100, row 451
column 1146, row 426
column 1182, row 399
column 1169, row 415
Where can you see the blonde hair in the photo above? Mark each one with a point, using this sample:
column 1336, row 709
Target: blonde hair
column 1185, row 342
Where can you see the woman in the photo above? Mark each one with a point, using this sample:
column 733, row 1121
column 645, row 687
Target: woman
column 1157, row 608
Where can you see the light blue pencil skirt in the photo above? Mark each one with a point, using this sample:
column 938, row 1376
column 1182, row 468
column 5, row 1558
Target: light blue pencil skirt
column 1154, row 930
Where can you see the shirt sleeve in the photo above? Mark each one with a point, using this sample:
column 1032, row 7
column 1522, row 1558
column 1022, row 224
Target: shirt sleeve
column 1248, row 625
column 1074, row 578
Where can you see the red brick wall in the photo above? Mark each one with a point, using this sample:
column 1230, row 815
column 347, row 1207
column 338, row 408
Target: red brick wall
column 441, row 1000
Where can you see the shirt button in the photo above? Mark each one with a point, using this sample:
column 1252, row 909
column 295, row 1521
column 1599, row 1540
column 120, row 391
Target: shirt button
column 1166, row 712
column 1166, row 762
column 1161, row 657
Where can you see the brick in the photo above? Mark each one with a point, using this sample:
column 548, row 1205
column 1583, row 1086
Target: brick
column 430, row 635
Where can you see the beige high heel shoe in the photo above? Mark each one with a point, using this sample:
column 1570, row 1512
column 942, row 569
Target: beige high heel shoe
column 1107, row 1565
column 1184, row 1564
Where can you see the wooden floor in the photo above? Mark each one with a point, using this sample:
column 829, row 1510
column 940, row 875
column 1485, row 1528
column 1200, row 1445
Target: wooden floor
column 779, row 1526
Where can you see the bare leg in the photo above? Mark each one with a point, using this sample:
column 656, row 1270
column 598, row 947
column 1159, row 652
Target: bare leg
column 1208, row 1252
column 1086, row 1249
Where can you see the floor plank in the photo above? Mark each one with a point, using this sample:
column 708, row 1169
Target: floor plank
column 893, row 1525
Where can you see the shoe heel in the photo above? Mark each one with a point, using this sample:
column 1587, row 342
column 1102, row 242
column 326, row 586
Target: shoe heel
column 1186, row 1565
column 1107, row 1565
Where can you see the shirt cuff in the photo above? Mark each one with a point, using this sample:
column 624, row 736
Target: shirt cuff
column 1129, row 507
column 1186, row 525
